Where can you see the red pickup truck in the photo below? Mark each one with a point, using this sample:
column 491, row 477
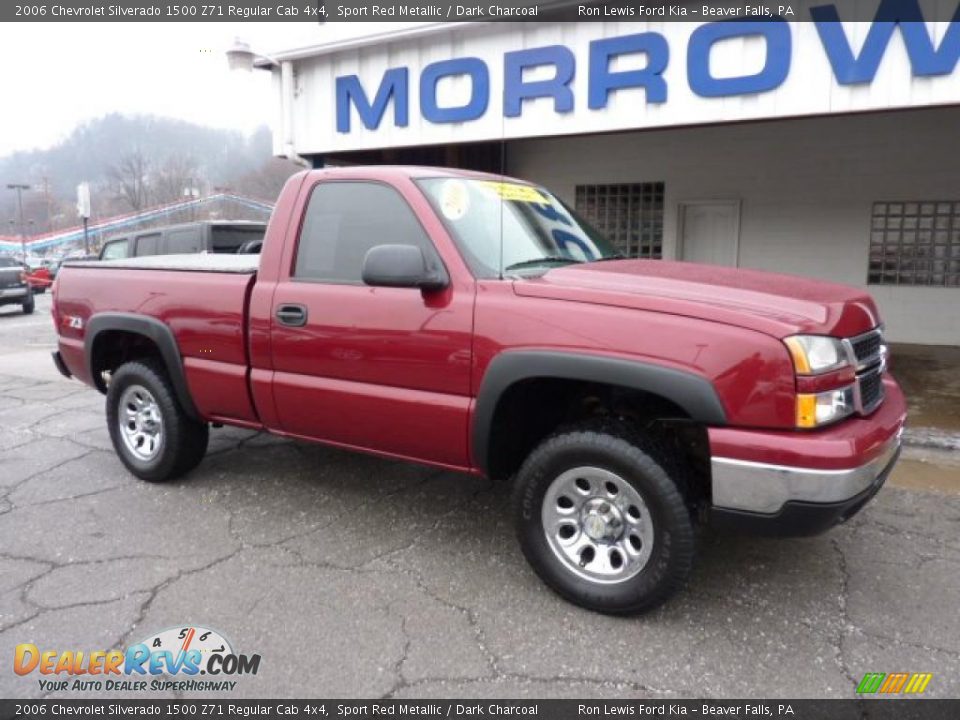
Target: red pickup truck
column 474, row 322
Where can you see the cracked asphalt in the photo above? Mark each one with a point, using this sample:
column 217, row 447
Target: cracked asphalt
column 358, row 577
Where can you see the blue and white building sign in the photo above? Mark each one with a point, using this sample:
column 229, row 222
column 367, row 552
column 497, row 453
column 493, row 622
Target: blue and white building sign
column 476, row 82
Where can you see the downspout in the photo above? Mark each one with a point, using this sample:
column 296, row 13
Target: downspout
column 287, row 95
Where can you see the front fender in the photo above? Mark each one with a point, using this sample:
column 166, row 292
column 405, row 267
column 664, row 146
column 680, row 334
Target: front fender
column 692, row 393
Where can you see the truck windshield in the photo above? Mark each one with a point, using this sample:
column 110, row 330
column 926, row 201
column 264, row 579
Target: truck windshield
column 538, row 231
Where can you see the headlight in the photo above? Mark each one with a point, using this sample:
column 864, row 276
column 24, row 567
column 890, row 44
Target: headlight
column 816, row 409
column 816, row 354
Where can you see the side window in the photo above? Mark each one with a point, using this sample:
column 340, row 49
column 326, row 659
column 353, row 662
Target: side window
column 147, row 245
column 344, row 220
column 182, row 241
column 114, row 250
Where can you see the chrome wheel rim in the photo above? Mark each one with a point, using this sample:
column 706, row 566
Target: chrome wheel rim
column 597, row 525
column 141, row 423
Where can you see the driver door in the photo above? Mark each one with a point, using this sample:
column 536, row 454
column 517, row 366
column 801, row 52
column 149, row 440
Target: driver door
column 380, row 369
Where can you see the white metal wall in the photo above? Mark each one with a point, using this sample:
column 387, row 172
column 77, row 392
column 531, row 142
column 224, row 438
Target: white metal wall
column 810, row 87
column 807, row 188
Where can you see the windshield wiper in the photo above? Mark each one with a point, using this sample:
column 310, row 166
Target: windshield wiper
column 540, row 260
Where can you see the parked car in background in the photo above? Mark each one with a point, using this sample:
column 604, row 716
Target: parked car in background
column 14, row 288
column 217, row 236
column 38, row 277
column 53, row 265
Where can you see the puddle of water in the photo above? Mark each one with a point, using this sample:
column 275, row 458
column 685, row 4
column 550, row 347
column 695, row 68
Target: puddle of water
column 929, row 470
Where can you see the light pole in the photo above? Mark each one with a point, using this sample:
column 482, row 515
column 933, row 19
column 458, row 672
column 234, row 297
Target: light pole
column 19, row 187
column 83, row 210
column 240, row 56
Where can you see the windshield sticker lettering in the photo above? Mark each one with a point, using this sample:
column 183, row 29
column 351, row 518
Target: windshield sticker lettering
column 514, row 192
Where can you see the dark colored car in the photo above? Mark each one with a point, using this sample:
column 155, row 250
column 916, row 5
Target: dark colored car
column 475, row 323
column 14, row 287
column 220, row 236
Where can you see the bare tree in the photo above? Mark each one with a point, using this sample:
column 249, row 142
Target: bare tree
column 129, row 177
column 267, row 180
column 177, row 173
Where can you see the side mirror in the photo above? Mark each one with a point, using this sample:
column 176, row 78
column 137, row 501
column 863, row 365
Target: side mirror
column 402, row 266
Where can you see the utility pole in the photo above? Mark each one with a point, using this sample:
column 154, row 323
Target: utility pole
column 19, row 187
column 47, row 198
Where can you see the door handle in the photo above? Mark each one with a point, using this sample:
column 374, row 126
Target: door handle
column 292, row 315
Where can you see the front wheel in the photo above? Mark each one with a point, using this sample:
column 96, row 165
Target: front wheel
column 602, row 522
column 150, row 431
column 29, row 306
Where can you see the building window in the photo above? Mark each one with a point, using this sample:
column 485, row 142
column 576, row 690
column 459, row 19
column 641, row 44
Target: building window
column 630, row 216
column 915, row 243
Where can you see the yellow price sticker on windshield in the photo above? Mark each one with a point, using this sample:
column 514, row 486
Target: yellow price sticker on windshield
column 515, row 192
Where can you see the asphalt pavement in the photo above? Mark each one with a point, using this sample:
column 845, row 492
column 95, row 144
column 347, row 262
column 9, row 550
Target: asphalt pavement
column 358, row 577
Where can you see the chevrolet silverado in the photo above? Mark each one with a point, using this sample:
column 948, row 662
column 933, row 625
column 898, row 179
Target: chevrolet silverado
column 475, row 322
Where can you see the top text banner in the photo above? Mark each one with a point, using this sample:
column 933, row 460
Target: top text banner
column 321, row 11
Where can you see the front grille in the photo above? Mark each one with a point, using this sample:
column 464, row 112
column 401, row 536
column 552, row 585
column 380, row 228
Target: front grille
column 869, row 354
column 870, row 387
column 867, row 348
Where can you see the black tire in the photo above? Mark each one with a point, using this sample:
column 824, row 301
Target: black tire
column 184, row 440
column 29, row 305
column 639, row 462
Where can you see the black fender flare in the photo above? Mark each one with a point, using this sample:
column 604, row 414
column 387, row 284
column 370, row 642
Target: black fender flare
column 694, row 394
column 154, row 330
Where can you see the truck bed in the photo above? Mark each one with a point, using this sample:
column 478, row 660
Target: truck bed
column 201, row 298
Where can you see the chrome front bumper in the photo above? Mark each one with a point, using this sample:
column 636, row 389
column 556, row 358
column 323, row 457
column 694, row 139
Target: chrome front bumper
column 751, row 487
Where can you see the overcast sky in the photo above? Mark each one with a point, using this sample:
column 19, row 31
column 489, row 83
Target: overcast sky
column 56, row 75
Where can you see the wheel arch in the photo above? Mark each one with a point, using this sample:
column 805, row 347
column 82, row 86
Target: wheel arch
column 148, row 329
column 693, row 394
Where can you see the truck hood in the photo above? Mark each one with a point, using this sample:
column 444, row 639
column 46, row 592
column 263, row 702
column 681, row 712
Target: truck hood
column 772, row 303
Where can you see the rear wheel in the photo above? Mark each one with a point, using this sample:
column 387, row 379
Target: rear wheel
column 602, row 521
column 29, row 305
column 150, row 431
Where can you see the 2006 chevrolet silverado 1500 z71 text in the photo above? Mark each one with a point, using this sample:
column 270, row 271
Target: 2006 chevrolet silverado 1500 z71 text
column 475, row 323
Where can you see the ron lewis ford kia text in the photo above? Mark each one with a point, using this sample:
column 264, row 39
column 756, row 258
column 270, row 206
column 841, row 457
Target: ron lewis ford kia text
column 476, row 323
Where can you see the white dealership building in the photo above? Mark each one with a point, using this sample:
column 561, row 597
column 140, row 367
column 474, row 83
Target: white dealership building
column 821, row 148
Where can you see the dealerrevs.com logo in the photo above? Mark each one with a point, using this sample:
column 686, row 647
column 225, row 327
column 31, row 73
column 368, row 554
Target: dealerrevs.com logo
column 172, row 660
